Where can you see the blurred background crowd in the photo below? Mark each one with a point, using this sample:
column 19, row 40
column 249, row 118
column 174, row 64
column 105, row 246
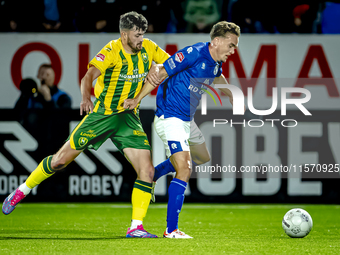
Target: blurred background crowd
column 171, row 16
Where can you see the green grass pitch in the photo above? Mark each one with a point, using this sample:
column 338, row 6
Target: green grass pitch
column 40, row 228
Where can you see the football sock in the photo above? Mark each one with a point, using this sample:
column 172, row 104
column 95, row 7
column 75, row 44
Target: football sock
column 163, row 168
column 135, row 223
column 41, row 173
column 24, row 189
column 176, row 198
column 141, row 195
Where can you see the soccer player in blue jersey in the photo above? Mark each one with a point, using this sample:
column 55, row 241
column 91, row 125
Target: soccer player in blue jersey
column 187, row 72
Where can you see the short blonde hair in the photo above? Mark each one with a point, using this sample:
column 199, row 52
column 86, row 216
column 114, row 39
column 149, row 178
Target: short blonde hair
column 221, row 29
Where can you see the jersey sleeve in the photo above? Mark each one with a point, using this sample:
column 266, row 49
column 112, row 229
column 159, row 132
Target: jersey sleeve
column 159, row 55
column 104, row 59
column 181, row 60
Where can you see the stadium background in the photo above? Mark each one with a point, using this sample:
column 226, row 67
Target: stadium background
column 263, row 61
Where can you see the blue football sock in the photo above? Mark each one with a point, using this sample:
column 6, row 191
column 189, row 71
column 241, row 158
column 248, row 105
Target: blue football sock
column 176, row 199
column 163, row 168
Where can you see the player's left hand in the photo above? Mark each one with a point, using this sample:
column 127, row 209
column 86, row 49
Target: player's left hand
column 130, row 104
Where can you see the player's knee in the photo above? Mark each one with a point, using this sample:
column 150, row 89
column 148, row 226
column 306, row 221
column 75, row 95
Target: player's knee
column 184, row 173
column 150, row 171
column 146, row 172
column 58, row 164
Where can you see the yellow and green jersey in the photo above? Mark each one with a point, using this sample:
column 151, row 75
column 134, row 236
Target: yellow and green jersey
column 122, row 74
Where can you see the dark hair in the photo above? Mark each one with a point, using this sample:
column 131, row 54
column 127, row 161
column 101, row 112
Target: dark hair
column 221, row 29
column 131, row 19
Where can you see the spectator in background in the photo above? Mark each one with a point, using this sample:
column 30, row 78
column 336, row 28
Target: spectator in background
column 30, row 98
column 99, row 15
column 40, row 110
column 58, row 15
column 103, row 15
column 30, row 109
column 248, row 14
column 330, row 23
column 57, row 116
column 51, row 15
column 201, row 15
column 49, row 90
column 158, row 13
column 304, row 14
column 37, row 15
column 23, row 15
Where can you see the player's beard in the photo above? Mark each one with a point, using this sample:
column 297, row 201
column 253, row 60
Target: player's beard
column 134, row 49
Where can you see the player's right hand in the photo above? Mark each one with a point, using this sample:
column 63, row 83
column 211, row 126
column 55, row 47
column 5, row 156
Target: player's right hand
column 86, row 106
column 44, row 90
column 130, row 104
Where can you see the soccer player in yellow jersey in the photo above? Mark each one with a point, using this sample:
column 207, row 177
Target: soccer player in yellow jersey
column 121, row 68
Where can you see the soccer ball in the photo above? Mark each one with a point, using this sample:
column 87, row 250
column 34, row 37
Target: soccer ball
column 297, row 223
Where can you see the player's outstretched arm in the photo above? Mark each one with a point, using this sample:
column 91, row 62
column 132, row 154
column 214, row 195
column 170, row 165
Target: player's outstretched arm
column 147, row 88
column 86, row 104
column 222, row 80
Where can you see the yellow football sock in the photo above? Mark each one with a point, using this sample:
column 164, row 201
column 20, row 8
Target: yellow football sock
column 141, row 195
column 41, row 173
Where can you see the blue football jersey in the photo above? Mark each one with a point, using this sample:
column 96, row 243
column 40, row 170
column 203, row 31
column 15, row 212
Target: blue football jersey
column 189, row 70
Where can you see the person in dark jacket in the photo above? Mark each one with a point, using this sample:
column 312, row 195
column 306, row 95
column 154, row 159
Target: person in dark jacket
column 49, row 90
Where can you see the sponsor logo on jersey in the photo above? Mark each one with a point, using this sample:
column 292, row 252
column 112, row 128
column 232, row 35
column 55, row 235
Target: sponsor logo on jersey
column 100, row 57
column 189, row 50
column 132, row 78
column 145, row 57
column 139, row 133
column 82, row 141
column 89, row 135
column 171, row 63
column 125, row 62
column 179, row 57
